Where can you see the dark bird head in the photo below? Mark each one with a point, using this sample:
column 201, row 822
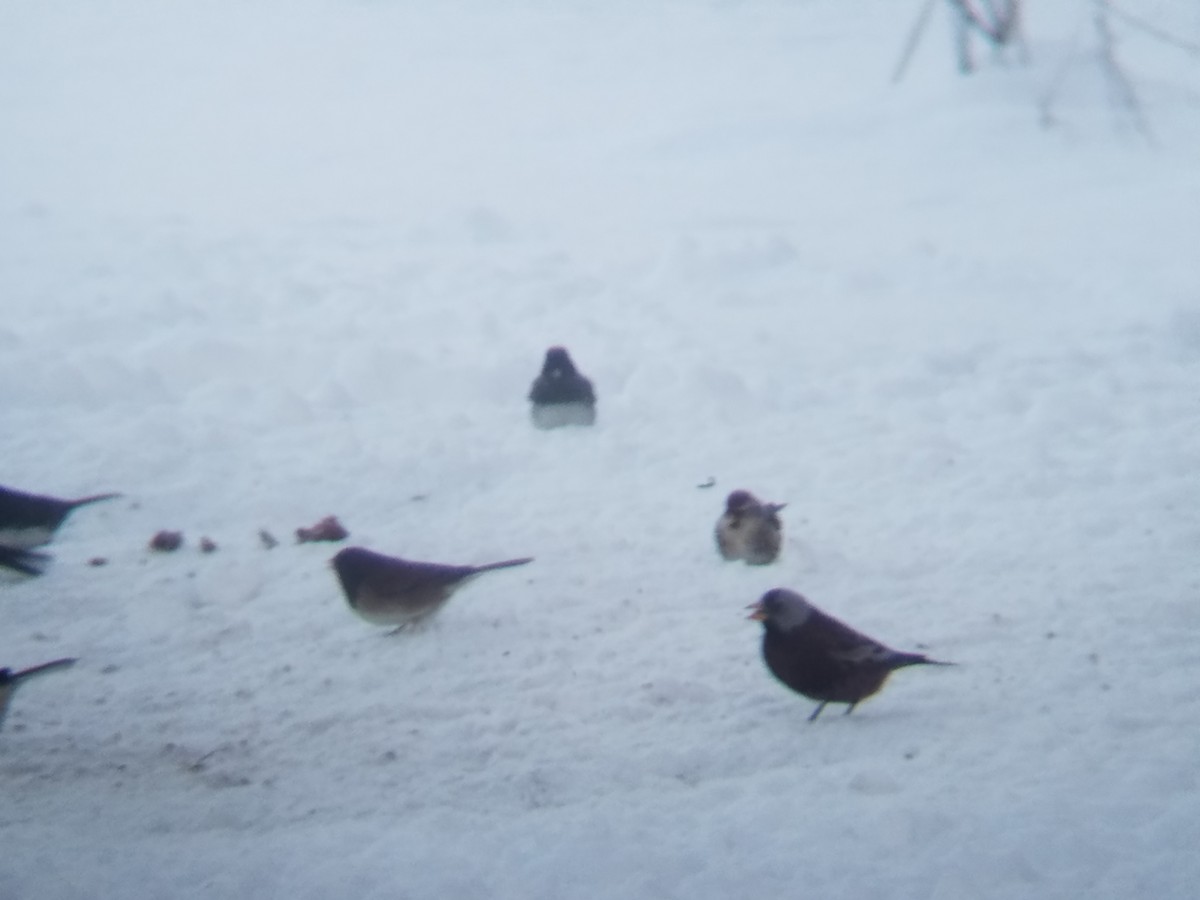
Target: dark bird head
column 353, row 565
column 6, row 675
column 740, row 501
column 781, row 608
column 560, row 382
column 558, row 363
column 743, row 501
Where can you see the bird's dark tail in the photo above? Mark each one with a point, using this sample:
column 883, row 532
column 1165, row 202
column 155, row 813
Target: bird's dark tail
column 95, row 498
column 27, row 562
column 507, row 564
column 65, row 663
column 917, row 659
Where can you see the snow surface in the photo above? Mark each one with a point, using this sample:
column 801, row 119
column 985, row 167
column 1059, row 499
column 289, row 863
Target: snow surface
column 262, row 262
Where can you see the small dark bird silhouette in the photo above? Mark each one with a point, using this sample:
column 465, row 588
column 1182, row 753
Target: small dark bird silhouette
column 825, row 660
column 749, row 529
column 560, row 394
column 10, row 680
column 24, row 562
column 30, row 520
column 387, row 590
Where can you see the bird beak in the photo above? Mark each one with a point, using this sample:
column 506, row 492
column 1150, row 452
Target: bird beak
column 759, row 614
column 776, row 507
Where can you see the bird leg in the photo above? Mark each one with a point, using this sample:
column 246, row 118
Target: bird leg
column 817, row 711
column 850, row 708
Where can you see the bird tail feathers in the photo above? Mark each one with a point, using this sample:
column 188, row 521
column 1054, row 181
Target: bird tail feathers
column 46, row 667
column 508, row 563
column 918, row 659
column 95, row 498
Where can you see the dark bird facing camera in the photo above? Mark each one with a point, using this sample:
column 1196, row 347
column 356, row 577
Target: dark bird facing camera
column 560, row 394
column 825, row 660
column 388, row 590
column 10, row 680
column 749, row 529
column 30, row 520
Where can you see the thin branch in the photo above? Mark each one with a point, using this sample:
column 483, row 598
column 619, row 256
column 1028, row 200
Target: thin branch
column 1122, row 87
column 997, row 20
column 914, row 38
column 1050, row 96
column 992, row 27
column 1154, row 31
column 962, row 38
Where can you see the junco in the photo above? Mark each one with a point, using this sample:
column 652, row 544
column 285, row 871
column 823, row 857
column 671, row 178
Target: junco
column 10, row 680
column 560, row 394
column 24, row 562
column 825, row 660
column 30, row 520
column 387, row 590
column 749, row 529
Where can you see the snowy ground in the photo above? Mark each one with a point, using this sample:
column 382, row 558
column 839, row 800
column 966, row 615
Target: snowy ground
column 264, row 262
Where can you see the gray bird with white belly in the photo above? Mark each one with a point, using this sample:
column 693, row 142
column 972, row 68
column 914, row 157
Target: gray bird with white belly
column 388, row 590
column 561, row 395
column 30, row 520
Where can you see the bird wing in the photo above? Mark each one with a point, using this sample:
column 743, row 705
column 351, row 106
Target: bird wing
column 848, row 646
column 768, row 513
column 417, row 575
column 19, row 509
column 870, row 653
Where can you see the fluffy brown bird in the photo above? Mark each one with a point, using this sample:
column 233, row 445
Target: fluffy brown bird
column 387, row 590
column 10, row 680
column 825, row 660
column 560, row 394
column 749, row 529
column 30, row 520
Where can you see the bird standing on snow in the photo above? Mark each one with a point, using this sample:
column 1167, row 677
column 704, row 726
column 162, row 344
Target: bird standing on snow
column 10, row 680
column 30, row 520
column 560, row 394
column 749, row 529
column 825, row 660
column 387, row 590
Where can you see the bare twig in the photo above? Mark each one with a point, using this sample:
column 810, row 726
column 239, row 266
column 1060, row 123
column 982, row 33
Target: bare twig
column 914, row 38
column 962, row 38
column 1049, row 97
column 1119, row 82
column 992, row 23
column 1154, row 31
column 999, row 21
